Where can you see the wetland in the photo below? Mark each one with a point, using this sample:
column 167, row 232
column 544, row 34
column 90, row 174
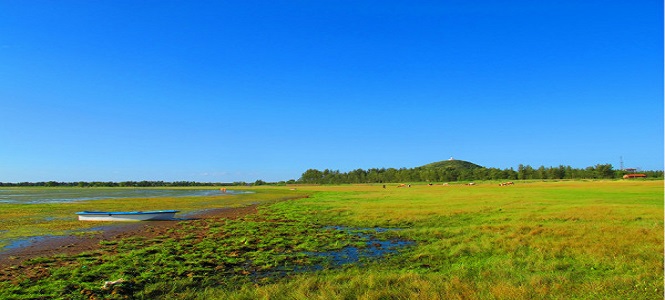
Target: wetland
column 568, row 239
column 65, row 195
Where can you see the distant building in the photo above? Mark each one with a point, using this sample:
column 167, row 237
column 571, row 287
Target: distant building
column 629, row 176
column 630, row 170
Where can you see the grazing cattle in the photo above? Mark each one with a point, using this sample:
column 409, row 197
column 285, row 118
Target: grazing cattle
column 471, row 183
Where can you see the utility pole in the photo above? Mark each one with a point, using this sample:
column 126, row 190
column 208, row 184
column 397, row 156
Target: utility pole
column 621, row 162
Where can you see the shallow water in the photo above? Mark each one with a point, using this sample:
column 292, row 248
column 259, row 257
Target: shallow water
column 29, row 241
column 32, row 240
column 47, row 195
column 374, row 247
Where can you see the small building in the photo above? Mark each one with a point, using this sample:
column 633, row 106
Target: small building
column 629, row 176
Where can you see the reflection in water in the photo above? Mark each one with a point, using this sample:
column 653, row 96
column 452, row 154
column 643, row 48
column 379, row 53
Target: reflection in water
column 374, row 248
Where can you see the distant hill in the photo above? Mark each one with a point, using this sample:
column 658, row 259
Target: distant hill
column 452, row 164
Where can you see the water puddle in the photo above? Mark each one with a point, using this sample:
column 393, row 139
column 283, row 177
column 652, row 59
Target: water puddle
column 26, row 242
column 374, row 248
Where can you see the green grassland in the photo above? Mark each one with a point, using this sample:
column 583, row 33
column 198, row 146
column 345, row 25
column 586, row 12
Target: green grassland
column 533, row 240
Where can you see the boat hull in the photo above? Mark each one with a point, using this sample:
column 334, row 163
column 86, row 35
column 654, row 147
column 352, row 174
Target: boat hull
column 126, row 215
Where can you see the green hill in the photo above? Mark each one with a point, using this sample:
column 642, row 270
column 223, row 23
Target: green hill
column 452, row 164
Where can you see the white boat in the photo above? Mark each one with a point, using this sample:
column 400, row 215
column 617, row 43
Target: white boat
column 126, row 215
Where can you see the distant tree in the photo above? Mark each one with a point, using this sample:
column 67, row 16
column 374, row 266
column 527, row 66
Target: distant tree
column 525, row 172
column 541, row 173
column 312, row 176
column 481, row 174
column 428, row 175
column 604, row 171
column 510, row 174
column 374, row 176
column 569, row 173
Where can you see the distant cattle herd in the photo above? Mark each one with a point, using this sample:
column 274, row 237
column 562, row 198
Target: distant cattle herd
column 402, row 185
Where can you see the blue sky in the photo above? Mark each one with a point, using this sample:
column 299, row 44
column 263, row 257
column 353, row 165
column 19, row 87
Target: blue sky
column 225, row 91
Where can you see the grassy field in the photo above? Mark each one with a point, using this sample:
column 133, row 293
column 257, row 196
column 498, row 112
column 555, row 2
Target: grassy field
column 537, row 240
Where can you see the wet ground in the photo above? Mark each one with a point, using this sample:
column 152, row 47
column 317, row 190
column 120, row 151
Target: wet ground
column 64, row 195
column 26, row 249
column 373, row 248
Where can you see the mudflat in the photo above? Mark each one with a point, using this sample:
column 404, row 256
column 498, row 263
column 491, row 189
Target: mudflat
column 75, row 244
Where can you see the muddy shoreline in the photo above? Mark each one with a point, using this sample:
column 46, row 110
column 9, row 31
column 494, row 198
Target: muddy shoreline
column 71, row 244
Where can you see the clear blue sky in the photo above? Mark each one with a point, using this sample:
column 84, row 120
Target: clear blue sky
column 227, row 91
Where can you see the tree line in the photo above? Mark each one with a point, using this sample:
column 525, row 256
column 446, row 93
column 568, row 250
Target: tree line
column 381, row 175
column 420, row 174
